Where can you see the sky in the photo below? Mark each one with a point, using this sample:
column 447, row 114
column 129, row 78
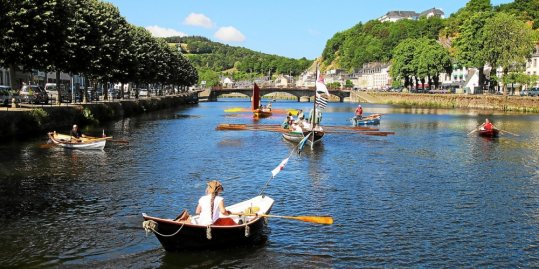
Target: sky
column 290, row 28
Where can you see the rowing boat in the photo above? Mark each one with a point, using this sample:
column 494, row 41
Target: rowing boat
column 261, row 113
column 488, row 133
column 373, row 119
column 297, row 136
column 188, row 235
column 85, row 142
column 258, row 110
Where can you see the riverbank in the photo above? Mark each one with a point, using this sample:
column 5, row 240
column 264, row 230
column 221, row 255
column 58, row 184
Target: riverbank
column 491, row 102
column 37, row 120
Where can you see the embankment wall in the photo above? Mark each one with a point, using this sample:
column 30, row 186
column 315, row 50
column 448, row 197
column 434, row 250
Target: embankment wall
column 36, row 121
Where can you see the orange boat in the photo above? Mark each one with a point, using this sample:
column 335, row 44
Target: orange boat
column 258, row 110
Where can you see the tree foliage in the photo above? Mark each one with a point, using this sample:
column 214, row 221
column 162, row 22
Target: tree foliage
column 421, row 59
column 508, row 41
column 88, row 37
column 218, row 57
column 375, row 40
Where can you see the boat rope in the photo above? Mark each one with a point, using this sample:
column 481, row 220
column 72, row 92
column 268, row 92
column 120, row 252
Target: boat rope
column 208, row 232
column 289, row 155
column 247, row 230
column 150, row 225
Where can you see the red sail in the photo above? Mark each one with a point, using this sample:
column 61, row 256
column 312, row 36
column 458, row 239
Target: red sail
column 256, row 98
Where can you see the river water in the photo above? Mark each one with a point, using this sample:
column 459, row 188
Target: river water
column 429, row 196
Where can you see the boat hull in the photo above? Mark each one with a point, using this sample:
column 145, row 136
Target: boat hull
column 489, row 133
column 369, row 120
column 296, row 137
column 189, row 236
column 261, row 113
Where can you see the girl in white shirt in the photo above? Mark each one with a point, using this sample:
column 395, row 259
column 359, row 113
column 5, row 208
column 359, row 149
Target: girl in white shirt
column 210, row 205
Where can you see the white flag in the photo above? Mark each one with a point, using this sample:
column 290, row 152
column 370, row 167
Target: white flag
column 320, row 85
column 278, row 169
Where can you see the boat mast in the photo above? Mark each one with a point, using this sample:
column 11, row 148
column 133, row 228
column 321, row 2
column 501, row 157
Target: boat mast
column 313, row 125
column 314, row 103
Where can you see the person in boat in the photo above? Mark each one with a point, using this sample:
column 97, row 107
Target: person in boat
column 290, row 119
column 76, row 134
column 487, row 126
column 301, row 116
column 269, row 106
column 210, row 205
column 359, row 112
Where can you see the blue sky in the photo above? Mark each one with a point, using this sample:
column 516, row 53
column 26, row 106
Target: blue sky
column 291, row 28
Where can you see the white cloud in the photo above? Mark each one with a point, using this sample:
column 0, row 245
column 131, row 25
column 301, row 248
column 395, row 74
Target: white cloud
column 198, row 19
column 229, row 34
column 163, row 32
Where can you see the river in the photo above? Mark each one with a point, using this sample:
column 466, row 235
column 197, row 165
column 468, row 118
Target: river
column 429, row 196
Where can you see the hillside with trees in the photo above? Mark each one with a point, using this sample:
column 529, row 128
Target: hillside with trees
column 477, row 35
column 213, row 59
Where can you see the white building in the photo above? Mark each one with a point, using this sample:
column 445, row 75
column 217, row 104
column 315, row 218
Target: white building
column 532, row 66
column 283, row 81
column 372, row 76
column 397, row 15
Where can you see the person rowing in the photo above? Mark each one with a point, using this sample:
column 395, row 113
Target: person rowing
column 487, row 126
column 210, row 205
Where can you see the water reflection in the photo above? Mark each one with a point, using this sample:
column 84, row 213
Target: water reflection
column 429, row 196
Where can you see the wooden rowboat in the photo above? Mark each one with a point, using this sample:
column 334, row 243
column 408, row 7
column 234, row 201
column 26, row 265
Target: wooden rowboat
column 373, row 119
column 488, row 133
column 297, row 136
column 86, row 142
column 188, row 235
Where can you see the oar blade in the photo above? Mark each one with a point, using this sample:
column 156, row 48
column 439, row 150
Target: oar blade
column 326, row 220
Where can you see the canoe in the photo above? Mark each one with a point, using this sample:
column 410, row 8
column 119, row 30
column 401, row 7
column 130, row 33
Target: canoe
column 373, row 119
column 188, row 235
column 488, row 133
column 86, row 142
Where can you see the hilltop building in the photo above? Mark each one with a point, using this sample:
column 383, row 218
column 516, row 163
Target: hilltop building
column 396, row 15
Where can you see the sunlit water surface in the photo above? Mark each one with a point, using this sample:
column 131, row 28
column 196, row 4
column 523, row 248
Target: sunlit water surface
column 429, row 196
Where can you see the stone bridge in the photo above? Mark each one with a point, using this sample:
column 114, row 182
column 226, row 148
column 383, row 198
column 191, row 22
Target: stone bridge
column 297, row 92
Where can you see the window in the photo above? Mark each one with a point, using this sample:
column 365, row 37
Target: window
column 534, row 62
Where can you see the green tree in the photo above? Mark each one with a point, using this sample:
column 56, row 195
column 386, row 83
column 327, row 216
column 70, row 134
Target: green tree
column 403, row 65
column 26, row 34
column 525, row 10
column 508, row 42
column 470, row 46
column 348, row 84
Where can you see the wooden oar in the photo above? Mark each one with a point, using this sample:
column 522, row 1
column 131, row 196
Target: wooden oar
column 474, row 130
column 508, row 132
column 117, row 141
column 328, row 220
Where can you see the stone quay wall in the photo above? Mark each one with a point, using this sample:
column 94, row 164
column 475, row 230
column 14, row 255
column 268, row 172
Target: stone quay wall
column 34, row 121
column 490, row 102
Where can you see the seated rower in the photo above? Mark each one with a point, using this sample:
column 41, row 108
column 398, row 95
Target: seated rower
column 76, row 134
column 210, row 205
column 487, row 126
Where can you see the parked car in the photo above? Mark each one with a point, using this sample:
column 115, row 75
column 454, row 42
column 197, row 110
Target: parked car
column 533, row 91
column 143, row 93
column 33, row 94
column 5, row 95
column 52, row 91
